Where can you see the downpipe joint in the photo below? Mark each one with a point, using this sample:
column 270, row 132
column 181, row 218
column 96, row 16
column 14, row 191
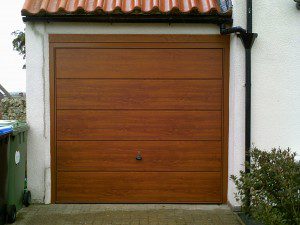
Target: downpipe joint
column 246, row 37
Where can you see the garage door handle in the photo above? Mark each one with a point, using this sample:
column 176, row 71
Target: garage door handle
column 139, row 156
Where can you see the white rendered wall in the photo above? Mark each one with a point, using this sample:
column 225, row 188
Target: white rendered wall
column 276, row 78
column 276, row 75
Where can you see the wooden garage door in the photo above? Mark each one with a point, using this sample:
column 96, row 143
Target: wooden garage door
column 139, row 119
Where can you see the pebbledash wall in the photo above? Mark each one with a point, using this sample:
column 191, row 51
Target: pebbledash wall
column 275, row 83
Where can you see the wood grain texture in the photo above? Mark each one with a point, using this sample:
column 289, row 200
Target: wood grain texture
column 138, row 125
column 139, row 94
column 138, row 187
column 64, row 186
column 121, row 156
column 138, row 45
column 139, row 63
column 52, row 121
column 138, row 38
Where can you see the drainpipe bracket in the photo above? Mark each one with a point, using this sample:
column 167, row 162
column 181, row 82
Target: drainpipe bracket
column 248, row 39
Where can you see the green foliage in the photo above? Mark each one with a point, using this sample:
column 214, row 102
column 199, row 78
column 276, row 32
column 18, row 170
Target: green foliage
column 19, row 43
column 13, row 108
column 274, row 185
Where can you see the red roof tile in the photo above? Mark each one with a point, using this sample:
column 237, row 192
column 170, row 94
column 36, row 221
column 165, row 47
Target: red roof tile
column 61, row 7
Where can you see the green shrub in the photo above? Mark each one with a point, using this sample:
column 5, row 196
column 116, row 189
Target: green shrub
column 13, row 108
column 274, row 185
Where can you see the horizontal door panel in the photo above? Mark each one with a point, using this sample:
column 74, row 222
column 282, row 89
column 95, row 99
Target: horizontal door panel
column 138, row 63
column 138, row 187
column 139, row 94
column 156, row 156
column 138, row 125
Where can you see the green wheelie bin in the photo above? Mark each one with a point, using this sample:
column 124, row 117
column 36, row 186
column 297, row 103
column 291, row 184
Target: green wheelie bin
column 4, row 148
column 18, row 195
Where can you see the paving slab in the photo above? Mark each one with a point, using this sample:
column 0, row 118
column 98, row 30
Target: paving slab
column 124, row 214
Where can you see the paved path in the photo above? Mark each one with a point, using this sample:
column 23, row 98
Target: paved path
column 126, row 215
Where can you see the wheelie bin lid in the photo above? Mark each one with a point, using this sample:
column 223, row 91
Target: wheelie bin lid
column 16, row 126
column 5, row 130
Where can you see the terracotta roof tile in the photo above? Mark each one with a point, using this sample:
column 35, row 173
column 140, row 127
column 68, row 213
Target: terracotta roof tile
column 61, row 7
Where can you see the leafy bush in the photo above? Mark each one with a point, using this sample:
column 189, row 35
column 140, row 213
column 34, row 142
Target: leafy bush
column 274, row 186
column 19, row 43
column 13, row 108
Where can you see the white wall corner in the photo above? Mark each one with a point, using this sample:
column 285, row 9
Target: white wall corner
column 47, row 199
column 236, row 141
column 38, row 136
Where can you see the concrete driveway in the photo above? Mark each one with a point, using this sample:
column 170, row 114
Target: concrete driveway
column 115, row 214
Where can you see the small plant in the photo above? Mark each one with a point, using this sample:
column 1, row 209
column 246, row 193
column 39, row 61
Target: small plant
column 274, row 187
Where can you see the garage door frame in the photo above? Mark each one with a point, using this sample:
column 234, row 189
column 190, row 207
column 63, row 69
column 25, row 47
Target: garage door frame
column 57, row 41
